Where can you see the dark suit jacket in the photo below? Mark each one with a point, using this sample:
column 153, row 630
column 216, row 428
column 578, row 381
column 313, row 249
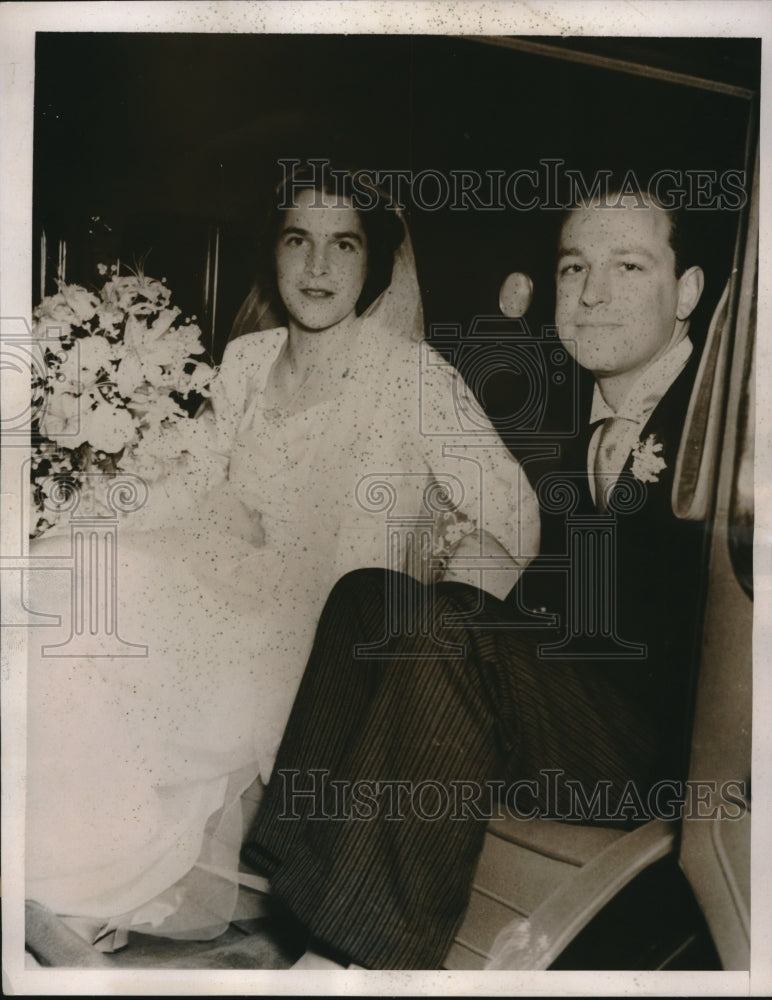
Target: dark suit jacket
column 656, row 573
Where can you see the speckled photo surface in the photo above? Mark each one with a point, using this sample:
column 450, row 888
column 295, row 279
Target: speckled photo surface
column 293, row 294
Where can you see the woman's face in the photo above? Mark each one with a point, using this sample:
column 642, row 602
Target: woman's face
column 321, row 260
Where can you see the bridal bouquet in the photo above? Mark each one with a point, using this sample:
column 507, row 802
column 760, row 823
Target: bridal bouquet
column 124, row 374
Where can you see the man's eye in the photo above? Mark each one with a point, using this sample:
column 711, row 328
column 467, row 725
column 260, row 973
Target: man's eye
column 568, row 269
column 293, row 240
column 628, row 265
column 346, row 245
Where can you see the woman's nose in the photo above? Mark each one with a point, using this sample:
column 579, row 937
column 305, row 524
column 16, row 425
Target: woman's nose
column 596, row 288
column 317, row 260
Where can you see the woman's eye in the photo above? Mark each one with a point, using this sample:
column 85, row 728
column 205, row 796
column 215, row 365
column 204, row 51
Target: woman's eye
column 569, row 269
column 346, row 245
column 628, row 265
column 293, row 240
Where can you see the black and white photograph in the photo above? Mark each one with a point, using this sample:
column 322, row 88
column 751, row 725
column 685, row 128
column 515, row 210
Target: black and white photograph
column 385, row 453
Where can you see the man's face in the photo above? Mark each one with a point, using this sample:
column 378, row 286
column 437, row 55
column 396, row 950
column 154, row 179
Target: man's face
column 617, row 293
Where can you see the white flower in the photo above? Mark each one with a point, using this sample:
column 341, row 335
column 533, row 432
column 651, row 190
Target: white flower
column 96, row 354
column 106, row 428
column 450, row 528
column 84, row 362
column 165, row 319
column 71, row 306
column 128, row 346
column 136, row 294
column 55, row 307
column 56, row 332
column 161, row 350
column 157, row 409
column 172, row 348
column 198, row 380
column 110, row 318
column 647, row 463
column 68, row 374
column 53, row 320
column 61, row 419
column 83, row 304
column 130, row 375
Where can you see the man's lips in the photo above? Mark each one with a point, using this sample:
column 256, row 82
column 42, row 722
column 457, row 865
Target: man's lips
column 597, row 326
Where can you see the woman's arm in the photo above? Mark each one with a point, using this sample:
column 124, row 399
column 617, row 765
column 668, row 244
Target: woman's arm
column 494, row 516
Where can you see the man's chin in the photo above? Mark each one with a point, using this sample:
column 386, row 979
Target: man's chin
column 594, row 358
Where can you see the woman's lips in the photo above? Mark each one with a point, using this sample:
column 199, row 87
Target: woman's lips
column 317, row 293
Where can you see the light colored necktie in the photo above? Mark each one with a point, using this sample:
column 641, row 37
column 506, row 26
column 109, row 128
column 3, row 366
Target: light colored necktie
column 609, row 460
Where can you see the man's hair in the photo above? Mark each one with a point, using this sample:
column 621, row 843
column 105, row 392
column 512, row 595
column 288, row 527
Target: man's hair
column 617, row 189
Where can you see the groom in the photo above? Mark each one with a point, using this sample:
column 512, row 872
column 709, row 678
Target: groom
column 583, row 671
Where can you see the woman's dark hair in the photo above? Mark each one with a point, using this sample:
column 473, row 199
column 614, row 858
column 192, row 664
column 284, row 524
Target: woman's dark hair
column 383, row 228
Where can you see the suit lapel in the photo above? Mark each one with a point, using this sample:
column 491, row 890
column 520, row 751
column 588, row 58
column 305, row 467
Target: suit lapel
column 664, row 427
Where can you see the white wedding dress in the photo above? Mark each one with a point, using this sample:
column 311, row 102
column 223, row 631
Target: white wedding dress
column 136, row 765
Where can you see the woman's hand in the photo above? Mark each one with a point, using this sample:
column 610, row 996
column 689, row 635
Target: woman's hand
column 466, row 561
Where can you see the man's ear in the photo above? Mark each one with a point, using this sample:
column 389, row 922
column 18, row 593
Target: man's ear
column 690, row 286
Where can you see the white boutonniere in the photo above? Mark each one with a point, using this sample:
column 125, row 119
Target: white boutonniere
column 647, row 462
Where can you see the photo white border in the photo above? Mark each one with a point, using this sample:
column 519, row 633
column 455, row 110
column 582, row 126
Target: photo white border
column 688, row 18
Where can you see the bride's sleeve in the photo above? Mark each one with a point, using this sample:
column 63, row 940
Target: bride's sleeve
column 488, row 518
column 210, row 434
column 241, row 379
column 229, row 395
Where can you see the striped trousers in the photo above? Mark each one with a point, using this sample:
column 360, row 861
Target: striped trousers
column 358, row 829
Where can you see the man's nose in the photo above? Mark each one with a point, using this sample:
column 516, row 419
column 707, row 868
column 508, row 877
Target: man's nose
column 597, row 288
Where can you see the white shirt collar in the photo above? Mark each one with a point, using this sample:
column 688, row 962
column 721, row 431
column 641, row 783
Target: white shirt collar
column 648, row 389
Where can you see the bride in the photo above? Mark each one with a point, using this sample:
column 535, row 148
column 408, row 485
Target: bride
column 137, row 765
